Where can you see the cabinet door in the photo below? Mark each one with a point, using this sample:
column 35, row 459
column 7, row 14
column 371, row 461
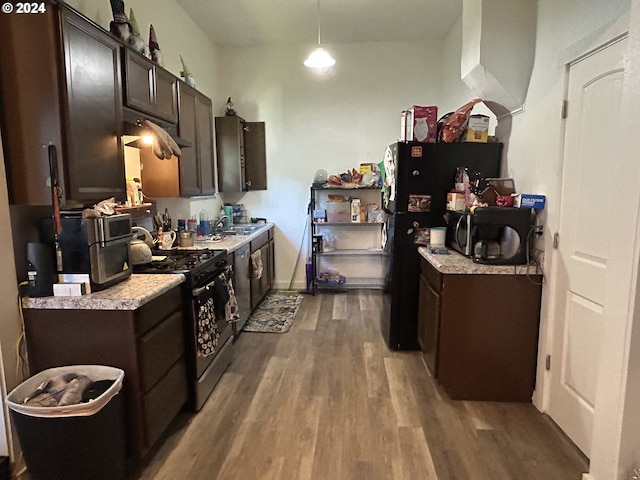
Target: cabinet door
column 242, row 283
column 187, row 129
column 204, row 135
column 255, row 154
column 429, row 325
column 272, row 264
column 138, row 83
column 95, row 157
column 230, row 154
column 166, row 106
column 265, row 280
column 30, row 89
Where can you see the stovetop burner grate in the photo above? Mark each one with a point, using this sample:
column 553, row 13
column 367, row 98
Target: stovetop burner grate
column 181, row 261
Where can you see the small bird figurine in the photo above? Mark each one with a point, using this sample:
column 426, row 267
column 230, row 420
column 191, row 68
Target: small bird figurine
column 228, row 109
column 137, row 42
column 154, row 48
column 120, row 26
column 186, row 74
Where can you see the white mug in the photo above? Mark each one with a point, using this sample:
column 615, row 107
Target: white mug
column 438, row 236
column 167, row 239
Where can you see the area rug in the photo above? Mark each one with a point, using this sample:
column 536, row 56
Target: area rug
column 275, row 313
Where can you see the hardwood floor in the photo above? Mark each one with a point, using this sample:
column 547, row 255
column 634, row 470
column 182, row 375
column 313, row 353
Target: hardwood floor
column 328, row 400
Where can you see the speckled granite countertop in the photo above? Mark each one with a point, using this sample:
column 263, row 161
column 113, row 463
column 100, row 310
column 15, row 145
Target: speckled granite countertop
column 130, row 294
column 230, row 243
column 140, row 288
column 459, row 264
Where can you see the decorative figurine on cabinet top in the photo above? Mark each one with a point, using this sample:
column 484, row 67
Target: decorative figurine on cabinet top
column 154, row 48
column 137, row 42
column 228, row 109
column 186, row 74
column 120, row 26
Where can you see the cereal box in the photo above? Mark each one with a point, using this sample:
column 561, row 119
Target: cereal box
column 477, row 129
column 422, row 124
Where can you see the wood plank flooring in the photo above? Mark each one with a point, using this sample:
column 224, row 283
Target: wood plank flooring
column 328, row 400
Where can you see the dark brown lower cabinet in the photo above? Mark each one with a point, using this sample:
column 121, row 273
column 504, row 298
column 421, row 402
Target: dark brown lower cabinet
column 148, row 344
column 261, row 286
column 479, row 333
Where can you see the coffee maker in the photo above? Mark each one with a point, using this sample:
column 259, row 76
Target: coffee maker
column 502, row 235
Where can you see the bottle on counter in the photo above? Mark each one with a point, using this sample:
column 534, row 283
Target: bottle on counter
column 205, row 224
column 192, row 225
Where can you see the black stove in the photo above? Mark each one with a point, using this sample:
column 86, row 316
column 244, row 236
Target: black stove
column 196, row 265
column 203, row 269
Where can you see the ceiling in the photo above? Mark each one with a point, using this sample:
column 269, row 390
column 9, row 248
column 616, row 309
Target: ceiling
column 265, row 22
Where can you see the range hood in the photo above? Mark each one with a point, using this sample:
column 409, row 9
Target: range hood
column 133, row 126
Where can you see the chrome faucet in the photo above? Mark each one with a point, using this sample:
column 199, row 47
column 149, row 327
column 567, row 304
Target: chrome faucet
column 221, row 222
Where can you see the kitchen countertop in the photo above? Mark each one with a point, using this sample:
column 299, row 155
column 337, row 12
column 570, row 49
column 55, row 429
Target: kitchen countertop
column 130, row 294
column 459, row 264
column 133, row 293
column 230, row 243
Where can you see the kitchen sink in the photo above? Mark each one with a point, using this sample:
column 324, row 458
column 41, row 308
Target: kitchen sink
column 242, row 229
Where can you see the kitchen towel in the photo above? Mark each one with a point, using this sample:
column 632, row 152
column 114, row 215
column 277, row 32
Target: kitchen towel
column 207, row 330
column 256, row 264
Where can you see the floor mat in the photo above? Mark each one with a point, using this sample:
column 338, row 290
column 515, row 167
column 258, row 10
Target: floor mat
column 275, row 313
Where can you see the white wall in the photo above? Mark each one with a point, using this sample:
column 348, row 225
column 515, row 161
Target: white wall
column 332, row 121
column 176, row 32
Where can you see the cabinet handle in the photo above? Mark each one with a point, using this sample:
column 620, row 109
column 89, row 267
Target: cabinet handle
column 248, row 183
column 415, row 173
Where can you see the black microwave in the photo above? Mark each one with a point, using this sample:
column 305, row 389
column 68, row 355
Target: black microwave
column 460, row 232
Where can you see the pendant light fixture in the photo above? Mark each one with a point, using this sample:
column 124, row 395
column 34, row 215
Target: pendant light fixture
column 319, row 58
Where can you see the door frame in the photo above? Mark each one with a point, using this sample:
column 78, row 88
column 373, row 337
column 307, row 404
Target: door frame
column 616, row 424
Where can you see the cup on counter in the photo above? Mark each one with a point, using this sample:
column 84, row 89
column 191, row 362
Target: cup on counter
column 437, row 236
column 167, row 239
column 186, row 238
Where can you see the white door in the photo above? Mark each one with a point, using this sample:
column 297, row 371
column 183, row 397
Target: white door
column 587, row 234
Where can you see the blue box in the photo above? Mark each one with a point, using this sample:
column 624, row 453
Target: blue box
column 532, row 201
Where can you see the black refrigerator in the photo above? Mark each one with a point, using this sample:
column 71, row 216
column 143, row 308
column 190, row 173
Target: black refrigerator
column 418, row 177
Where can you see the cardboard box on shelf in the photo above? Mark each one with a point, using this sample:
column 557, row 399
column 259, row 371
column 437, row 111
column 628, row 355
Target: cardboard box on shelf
column 422, row 124
column 319, row 215
column 403, row 125
column 527, row 200
column 477, row 129
column 355, row 210
column 456, row 201
column 338, row 212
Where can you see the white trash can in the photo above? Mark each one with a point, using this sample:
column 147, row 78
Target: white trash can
column 80, row 441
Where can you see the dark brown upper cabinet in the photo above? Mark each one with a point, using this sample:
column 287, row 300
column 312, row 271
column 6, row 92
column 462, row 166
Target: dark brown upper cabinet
column 240, row 146
column 195, row 123
column 60, row 84
column 193, row 173
column 149, row 88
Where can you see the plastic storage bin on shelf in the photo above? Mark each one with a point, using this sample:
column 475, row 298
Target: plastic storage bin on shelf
column 80, row 441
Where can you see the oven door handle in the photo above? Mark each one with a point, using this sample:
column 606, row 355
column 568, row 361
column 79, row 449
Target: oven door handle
column 196, row 292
